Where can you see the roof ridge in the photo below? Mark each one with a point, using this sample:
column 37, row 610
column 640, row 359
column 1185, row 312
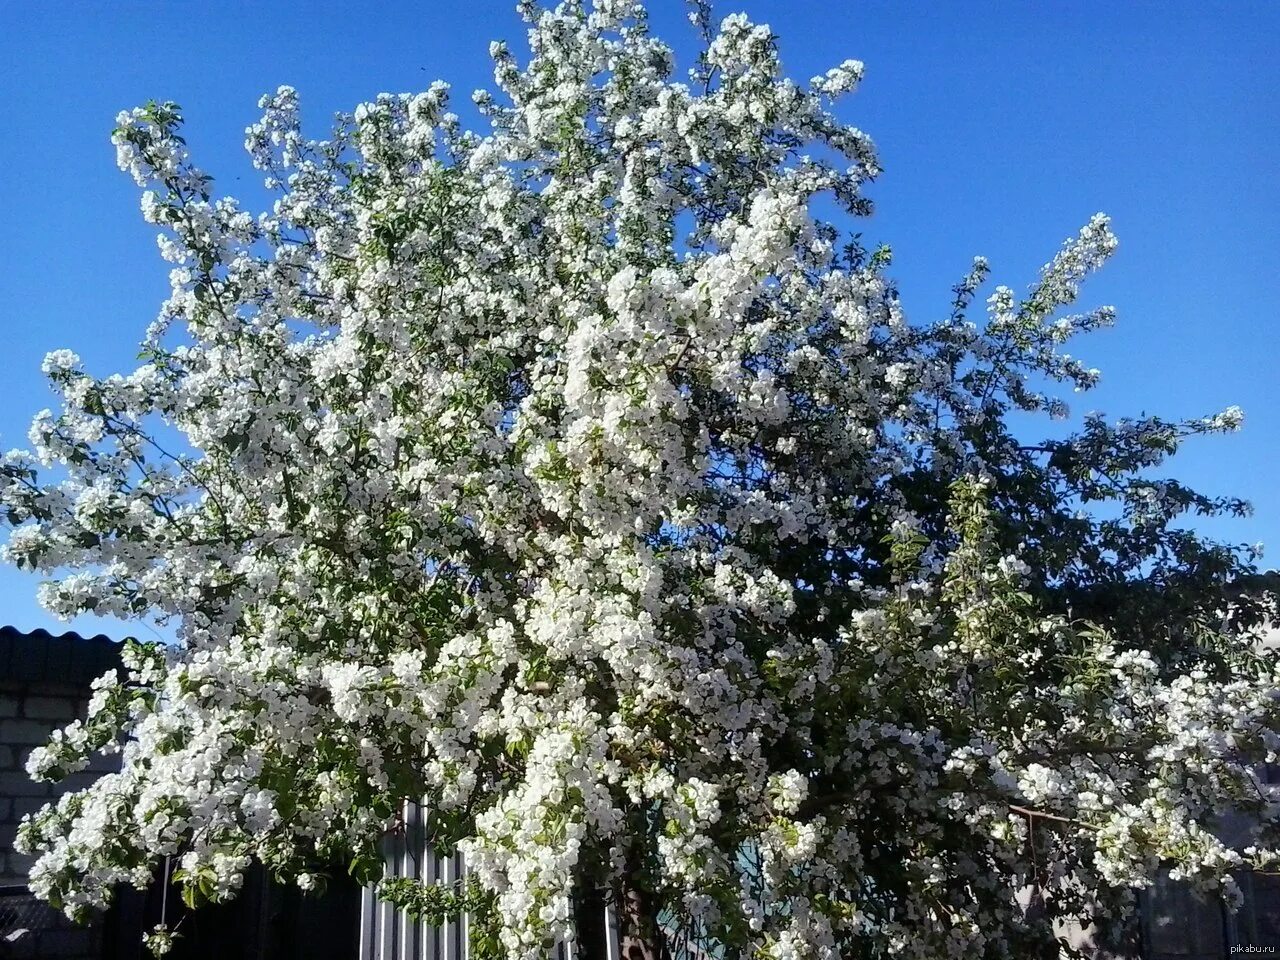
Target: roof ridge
column 40, row 633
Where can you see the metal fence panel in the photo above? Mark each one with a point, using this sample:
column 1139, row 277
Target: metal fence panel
column 387, row 933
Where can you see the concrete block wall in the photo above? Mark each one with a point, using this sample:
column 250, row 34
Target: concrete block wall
column 44, row 684
column 25, row 722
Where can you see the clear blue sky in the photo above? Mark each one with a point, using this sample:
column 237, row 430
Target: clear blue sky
column 1002, row 126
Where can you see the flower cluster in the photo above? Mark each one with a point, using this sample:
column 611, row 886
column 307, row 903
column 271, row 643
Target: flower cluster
column 576, row 480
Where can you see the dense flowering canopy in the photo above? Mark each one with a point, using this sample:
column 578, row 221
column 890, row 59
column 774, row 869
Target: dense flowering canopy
column 577, row 479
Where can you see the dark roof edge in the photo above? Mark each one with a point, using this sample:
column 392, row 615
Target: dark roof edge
column 66, row 659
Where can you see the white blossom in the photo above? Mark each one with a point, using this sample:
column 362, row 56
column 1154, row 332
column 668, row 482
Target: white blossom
column 577, row 480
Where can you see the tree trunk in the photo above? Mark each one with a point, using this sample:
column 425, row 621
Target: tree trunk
column 637, row 925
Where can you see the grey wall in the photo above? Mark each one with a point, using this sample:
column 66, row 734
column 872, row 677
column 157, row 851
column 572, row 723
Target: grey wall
column 44, row 684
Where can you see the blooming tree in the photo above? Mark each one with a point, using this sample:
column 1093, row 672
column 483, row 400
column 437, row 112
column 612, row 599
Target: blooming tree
column 576, row 479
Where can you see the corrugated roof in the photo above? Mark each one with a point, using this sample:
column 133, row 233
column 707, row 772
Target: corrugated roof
column 39, row 656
